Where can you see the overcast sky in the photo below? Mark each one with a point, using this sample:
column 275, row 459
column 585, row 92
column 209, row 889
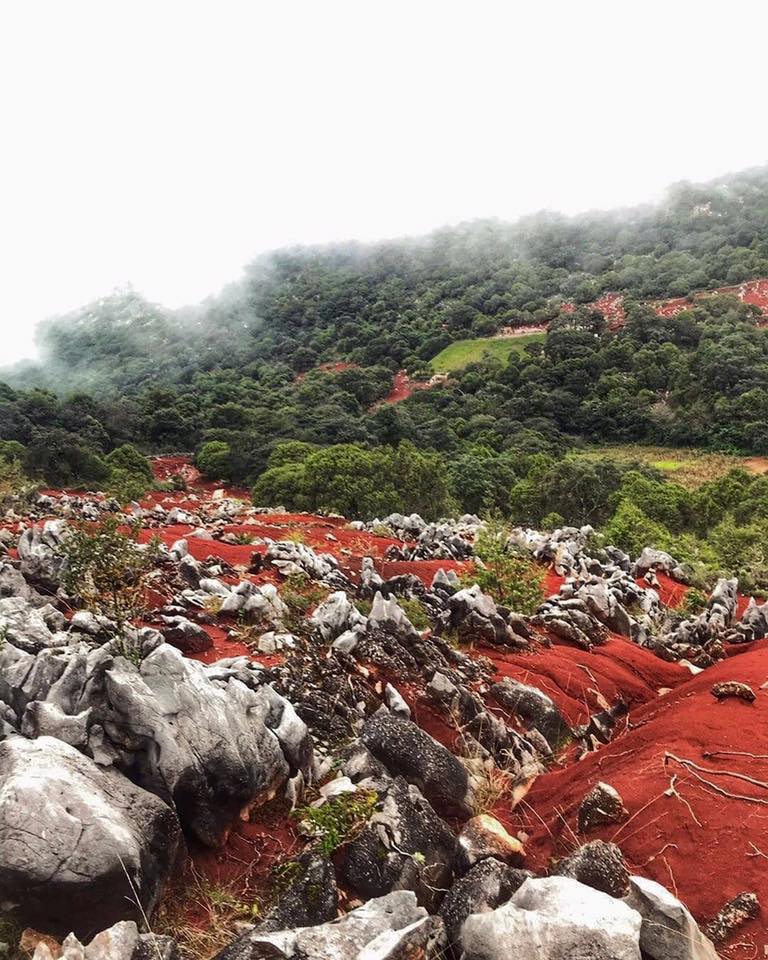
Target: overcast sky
column 166, row 143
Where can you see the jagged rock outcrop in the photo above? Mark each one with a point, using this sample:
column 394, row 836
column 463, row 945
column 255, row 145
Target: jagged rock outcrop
column 38, row 553
column 290, row 558
column 475, row 616
column 209, row 740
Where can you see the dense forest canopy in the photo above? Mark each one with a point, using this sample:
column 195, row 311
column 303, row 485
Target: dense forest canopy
column 278, row 381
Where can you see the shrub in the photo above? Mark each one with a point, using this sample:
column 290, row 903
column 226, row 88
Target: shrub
column 213, row 458
column 416, row 613
column 512, row 580
column 12, row 450
column 631, row 530
column 108, row 569
column 128, row 459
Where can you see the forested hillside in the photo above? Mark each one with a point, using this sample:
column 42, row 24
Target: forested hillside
column 303, row 350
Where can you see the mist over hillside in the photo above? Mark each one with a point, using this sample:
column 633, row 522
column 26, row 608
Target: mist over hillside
column 399, row 302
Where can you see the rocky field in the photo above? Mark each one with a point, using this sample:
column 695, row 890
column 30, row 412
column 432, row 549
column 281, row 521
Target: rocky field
column 322, row 739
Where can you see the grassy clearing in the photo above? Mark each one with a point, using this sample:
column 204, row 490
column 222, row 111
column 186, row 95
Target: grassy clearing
column 463, row 352
column 690, row 468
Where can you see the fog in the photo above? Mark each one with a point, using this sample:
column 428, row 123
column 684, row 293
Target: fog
column 166, row 144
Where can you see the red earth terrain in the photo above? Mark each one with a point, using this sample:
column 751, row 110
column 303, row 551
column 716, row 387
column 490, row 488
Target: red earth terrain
column 611, row 305
column 692, row 770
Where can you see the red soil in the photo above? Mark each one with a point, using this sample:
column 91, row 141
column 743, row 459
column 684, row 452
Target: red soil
column 331, row 366
column 402, row 388
column 700, row 843
column 581, row 683
column 425, row 570
column 245, row 863
column 671, row 593
column 611, row 305
column 663, row 839
column 166, row 467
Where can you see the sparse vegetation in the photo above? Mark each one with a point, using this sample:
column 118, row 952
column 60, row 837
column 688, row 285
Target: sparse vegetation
column 512, row 580
column 415, row 611
column 108, row 569
column 492, row 786
column 300, row 594
column 202, row 915
column 688, row 467
column 338, row 820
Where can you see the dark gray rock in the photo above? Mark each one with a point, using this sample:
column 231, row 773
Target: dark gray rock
column 597, row 864
column 535, row 709
column 487, row 885
column 405, row 845
column 407, row 750
column 603, row 804
column 189, row 637
column 310, row 898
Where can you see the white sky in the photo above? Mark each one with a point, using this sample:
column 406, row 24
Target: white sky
column 166, row 143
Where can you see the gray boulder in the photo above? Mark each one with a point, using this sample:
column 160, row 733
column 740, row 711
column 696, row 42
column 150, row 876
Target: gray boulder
column 554, row 918
column 26, row 627
column 599, row 865
column 535, row 709
column 187, row 636
column 210, row 740
column 404, row 846
column 78, row 843
column 486, row 886
column 38, row 552
column 668, row 930
column 207, row 747
column 356, row 936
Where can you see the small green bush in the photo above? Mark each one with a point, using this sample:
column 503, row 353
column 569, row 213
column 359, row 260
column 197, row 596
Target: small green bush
column 512, row 580
column 339, row 820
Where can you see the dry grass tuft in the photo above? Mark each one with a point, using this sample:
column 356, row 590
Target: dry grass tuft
column 203, row 916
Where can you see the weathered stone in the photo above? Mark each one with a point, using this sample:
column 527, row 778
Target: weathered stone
column 486, row 886
column 602, row 805
column 405, row 845
column 668, row 930
column 407, row 750
column 554, row 918
column 597, row 864
column 483, row 836
column 344, row 939
column 535, row 709
column 77, row 843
